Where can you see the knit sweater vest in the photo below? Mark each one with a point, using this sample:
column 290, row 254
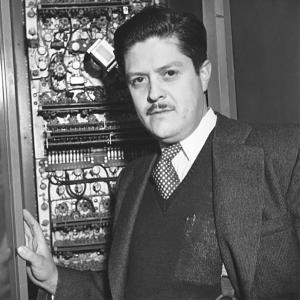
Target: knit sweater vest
column 174, row 252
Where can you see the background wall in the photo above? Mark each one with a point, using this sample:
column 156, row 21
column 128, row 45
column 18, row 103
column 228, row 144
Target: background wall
column 266, row 49
column 190, row 6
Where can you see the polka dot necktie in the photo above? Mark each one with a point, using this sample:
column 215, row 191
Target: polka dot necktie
column 164, row 174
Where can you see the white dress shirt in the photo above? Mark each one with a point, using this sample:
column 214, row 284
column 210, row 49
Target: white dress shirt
column 193, row 144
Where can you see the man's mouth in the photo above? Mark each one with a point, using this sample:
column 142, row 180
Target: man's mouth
column 157, row 108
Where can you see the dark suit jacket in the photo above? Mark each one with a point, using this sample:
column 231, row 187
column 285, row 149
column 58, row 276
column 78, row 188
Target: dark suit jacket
column 256, row 199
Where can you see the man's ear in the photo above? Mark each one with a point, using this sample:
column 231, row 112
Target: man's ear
column 205, row 72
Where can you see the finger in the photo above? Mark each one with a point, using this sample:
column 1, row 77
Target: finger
column 30, row 220
column 33, row 225
column 28, row 255
column 28, row 235
column 36, row 240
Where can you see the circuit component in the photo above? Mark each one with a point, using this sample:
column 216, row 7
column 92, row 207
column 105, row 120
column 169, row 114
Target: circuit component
column 84, row 125
column 103, row 53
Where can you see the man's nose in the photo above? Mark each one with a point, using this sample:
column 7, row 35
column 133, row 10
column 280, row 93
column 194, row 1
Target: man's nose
column 156, row 91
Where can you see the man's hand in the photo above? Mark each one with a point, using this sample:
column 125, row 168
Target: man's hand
column 41, row 268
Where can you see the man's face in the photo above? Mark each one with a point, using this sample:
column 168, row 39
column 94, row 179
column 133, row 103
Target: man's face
column 166, row 90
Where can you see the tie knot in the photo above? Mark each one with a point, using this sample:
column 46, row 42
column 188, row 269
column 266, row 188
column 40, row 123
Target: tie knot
column 164, row 174
column 171, row 151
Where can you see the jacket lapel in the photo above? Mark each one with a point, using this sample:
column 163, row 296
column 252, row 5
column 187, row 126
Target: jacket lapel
column 131, row 195
column 238, row 174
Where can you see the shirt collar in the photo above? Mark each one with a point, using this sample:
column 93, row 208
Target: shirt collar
column 193, row 144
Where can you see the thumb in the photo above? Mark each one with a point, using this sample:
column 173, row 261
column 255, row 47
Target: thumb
column 28, row 255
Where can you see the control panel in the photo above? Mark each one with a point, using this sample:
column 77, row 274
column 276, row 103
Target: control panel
column 84, row 126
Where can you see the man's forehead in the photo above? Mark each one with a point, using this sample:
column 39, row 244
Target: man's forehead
column 159, row 52
column 159, row 68
column 170, row 40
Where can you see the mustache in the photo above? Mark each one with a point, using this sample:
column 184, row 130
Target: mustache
column 157, row 107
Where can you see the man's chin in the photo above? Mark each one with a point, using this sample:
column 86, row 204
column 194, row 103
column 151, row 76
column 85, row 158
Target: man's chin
column 162, row 129
column 165, row 138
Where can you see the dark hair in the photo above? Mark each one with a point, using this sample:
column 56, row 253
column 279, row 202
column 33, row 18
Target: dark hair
column 163, row 22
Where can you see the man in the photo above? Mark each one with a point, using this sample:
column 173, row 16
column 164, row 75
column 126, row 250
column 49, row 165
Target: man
column 226, row 204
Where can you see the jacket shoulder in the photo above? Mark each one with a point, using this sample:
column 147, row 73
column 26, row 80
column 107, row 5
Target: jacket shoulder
column 276, row 137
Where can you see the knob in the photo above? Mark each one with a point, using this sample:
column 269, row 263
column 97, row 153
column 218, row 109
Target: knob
column 48, row 37
column 75, row 46
column 31, row 13
column 43, row 186
column 59, row 173
column 95, row 170
column 42, row 50
column 84, row 35
column 42, row 65
column 42, row 163
column 76, row 65
column 78, row 188
column 45, row 222
column 42, row 170
column 77, row 172
column 44, row 206
column 60, row 190
column 32, row 31
column 97, row 187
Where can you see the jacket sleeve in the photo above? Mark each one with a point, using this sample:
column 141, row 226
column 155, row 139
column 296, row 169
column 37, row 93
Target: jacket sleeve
column 293, row 196
column 79, row 285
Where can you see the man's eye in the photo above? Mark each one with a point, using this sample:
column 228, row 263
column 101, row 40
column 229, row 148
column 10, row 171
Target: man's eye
column 136, row 81
column 170, row 73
